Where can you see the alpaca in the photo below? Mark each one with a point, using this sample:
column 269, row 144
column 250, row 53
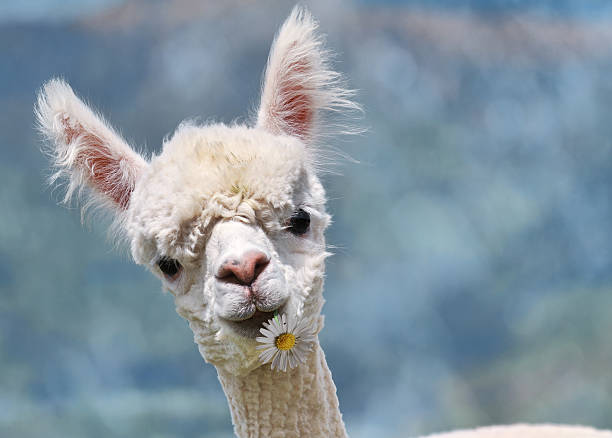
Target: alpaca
column 232, row 219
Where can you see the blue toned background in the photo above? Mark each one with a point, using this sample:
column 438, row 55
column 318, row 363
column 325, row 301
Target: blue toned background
column 472, row 281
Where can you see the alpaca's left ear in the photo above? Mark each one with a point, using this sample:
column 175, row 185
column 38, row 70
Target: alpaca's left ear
column 298, row 84
column 85, row 149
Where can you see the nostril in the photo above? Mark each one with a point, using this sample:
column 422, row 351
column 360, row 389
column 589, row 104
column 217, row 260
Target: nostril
column 227, row 274
column 260, row 265
column 243, row 270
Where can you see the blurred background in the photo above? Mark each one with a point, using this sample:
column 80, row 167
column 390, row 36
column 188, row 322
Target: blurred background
column 472, row 281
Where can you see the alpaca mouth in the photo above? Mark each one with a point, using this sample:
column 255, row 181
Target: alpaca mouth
column 249, row 328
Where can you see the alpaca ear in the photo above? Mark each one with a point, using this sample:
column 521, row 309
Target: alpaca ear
column 298, row 84
column 85, row 149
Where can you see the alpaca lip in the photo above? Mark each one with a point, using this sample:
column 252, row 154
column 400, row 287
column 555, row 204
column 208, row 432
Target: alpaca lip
column 249, row 328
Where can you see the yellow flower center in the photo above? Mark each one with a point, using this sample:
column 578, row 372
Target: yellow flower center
column 285, row 342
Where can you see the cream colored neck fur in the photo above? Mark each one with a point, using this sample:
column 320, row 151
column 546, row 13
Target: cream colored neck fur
column 299, row 403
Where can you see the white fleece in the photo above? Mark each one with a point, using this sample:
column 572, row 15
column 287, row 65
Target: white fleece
column 299, row 403
column 527, row 431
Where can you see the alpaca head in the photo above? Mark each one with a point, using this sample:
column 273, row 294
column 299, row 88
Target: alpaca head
column 230, row 218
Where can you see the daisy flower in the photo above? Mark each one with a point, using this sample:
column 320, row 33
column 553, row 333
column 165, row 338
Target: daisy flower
column 285, row 342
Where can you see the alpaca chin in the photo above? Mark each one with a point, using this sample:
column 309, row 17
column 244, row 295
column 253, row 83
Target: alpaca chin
column 250, row 328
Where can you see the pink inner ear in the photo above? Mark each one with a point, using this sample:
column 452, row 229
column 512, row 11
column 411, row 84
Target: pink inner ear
column 296, row 105
column 103, row 170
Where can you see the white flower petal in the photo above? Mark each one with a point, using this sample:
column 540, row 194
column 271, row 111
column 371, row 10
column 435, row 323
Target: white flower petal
column 302, row 327
column 279, row 363
column 306, row 340
column 275, row 361
column 276, row 327
column 266, row 332
column 292, row 323
column 302, row 351
column 265, row 339
column 293, row 359
column 267, row 355
column 283, row 362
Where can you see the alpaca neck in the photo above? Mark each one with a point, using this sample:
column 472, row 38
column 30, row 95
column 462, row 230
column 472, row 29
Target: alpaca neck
column 298, row 403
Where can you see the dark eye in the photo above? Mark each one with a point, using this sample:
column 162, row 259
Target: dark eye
column 170, row 267
column 299, row 222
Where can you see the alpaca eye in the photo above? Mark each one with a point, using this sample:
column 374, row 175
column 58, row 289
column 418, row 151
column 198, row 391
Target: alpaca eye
column 299, row 222
column 170, row 267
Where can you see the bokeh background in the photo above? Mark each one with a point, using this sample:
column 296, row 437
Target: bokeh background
column 472, row 281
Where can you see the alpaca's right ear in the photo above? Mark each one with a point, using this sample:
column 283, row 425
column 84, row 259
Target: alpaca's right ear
column 85, row 149
column 298, row 84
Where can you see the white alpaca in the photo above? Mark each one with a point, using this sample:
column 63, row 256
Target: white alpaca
column 232, row 220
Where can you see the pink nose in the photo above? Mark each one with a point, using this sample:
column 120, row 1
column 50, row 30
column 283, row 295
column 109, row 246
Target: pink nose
column 243, row 270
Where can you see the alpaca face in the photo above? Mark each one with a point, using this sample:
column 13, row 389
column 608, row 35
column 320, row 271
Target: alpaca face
column 230, row 218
